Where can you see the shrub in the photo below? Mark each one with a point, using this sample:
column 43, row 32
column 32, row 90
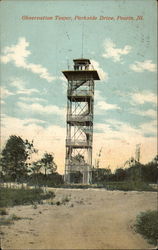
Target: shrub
column 58, row 203
column 65, row 200
column 13, row 197
column 6, row 221
column 3, row 211
column 10, row 220
column 147, row 225
column 128, row 186
column 15, row 217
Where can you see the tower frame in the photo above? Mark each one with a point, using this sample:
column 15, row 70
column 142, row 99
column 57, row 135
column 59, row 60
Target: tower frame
column 79, row 120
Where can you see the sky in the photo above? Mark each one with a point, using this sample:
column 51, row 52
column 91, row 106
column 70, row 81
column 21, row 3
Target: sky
column 119, row 38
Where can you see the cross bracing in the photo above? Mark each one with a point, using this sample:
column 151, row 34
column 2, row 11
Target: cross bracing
column 79, row 139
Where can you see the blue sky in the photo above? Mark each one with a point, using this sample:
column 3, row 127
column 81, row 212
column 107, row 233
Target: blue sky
column 33, row 89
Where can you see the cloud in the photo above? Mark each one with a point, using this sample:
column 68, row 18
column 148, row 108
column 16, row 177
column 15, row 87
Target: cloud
column 150, row 112
column 149, row 127
column 20, row 86
column 115, row 53
column 50, row 138
column 98, row 96
column 103, row 105
column 118, row 130
column 5, row 92
column 17, row 83
column 142, row 66
column 118, row 141
column 116, row 138
column 31, row 99
column 144, row 97
column 40, row 109
column 63, row 79
column 103, row 75
column 32, row 121
column 19, row 53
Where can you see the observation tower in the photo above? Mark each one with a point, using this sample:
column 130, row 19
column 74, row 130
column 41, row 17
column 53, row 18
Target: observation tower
column 80, row 103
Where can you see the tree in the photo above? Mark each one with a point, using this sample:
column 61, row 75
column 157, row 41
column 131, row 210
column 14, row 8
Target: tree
column 14, row 157
column 120, row 174
column 35, row 169
column 101, row 174
column 48, row 163
column 78, row 159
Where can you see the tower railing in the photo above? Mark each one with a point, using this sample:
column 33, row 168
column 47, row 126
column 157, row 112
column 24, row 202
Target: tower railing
column 72, row 142
column 80, row 93
column 79, row 118
column 79, row 167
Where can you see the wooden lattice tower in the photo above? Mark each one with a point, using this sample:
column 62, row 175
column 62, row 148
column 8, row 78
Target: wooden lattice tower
column 80, row 100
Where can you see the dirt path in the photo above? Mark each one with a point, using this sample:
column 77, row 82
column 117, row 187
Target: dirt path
column 92, row 219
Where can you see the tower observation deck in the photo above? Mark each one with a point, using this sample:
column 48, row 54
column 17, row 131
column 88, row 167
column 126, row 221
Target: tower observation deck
column 80, row 102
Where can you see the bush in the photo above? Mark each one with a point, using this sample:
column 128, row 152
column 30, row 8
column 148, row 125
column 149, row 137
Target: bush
column 13, row 197
column 15, row 217
column 58, row 203
column 147, row 226
column 6, row 221
column 3, row 211
column 128, row 186
column 50, row 180
column 65, row 200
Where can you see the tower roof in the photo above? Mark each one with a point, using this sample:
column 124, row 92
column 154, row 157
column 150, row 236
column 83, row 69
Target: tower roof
column 79, row 74
column 82, row 61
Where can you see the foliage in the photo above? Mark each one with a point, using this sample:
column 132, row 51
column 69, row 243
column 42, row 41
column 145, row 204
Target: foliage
column 6, row 221
column 13, row 197
column 78, row 159
column 15, row 217
column 14, row 157
column 120, row 174
column 50, row 180
column 65, row 200
column 76, row 177
column 10, row 220
column 127, row 186
column 58, row 203
column 48, row 163
column 147, row 225
column 36, row 167
column 149, row 172
column 137, row 173
column 101, row 174
column 3, row 211
column 35, row 170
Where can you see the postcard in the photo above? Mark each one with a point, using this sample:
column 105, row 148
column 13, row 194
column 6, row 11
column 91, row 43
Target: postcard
column 78, row 131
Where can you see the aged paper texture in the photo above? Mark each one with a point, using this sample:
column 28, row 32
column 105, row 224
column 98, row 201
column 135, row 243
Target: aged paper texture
column 78, row 137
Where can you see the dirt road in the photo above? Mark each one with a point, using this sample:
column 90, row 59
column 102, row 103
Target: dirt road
column 91, row 219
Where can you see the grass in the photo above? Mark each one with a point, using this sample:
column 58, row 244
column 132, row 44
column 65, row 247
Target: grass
column 12, row 197
column 15, row 217
column 3, row 211
column 128, row 186
column 147, row 226
column 113, row 185
column 65, row 200
column 10, row 220
column 6, row 221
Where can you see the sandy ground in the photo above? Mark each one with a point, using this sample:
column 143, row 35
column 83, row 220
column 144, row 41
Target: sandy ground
column 92, row 219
